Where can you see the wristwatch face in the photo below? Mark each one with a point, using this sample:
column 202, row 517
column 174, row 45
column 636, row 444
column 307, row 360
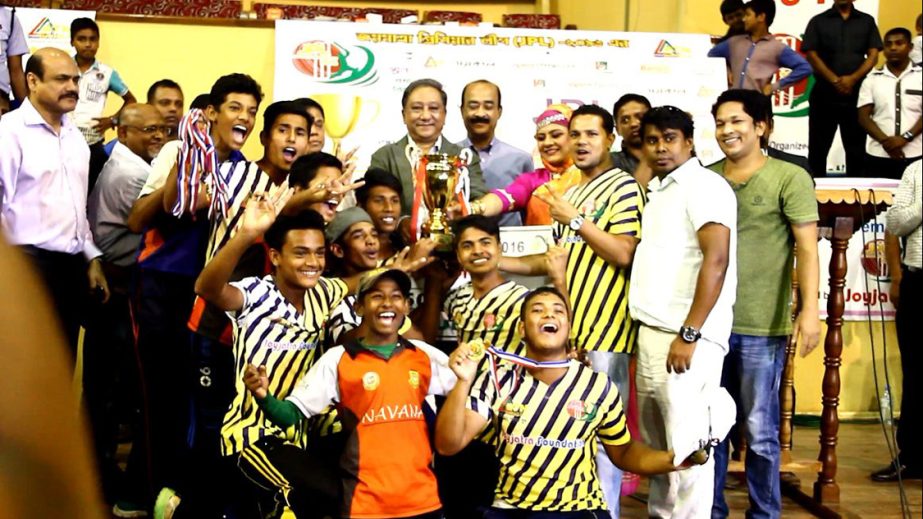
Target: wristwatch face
column 689, row 334
column 576, row 223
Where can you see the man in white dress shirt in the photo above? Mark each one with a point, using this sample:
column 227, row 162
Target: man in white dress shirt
column 683, row 285
column 43, row 187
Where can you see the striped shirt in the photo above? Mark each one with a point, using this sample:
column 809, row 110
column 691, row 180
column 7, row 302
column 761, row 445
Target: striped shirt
column 269, row 331
column 546, row 435
column 243, row 178
column 904, row 217
column 493, row 318
column 599, row 290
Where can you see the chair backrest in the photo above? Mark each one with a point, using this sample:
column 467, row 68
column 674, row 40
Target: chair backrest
column 453, row 16
column 190, row 8
column 532, row 21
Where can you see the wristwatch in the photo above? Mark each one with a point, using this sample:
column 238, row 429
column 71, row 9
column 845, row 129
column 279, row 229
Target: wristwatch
column 908, row 135
column 576, row 223
column 689, row 334
column 114, row 121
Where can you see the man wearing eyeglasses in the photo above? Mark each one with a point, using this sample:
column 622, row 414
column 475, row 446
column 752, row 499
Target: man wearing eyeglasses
column 108, row 343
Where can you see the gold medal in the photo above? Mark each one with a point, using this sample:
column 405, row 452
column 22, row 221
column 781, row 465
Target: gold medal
column 476, row 349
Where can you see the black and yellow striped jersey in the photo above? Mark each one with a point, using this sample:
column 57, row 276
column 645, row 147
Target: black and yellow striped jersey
column 599, row 290
column 545, row 435
column 243, row 178
column 493, row 318
column 269, row 331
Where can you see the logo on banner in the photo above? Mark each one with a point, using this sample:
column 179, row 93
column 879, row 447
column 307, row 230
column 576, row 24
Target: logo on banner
column 873, row 259
column 46, row 30
column 666, row 49
column 791, row 101
column 335, row 64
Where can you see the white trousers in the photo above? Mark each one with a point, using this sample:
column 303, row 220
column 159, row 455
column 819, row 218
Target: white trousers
column 668, row 402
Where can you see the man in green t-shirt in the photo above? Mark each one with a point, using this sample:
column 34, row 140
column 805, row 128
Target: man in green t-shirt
column 776, row 211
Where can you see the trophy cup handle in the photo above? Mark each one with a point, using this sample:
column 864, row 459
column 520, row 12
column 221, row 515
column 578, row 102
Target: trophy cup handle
column 463, row 187
column 412, row 154
column 466, row 156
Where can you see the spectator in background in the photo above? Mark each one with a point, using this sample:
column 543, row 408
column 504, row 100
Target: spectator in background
column 916, row 53
column 110, row 376
column 628, row 112
column 96, row 81
column 43, row 181
column 776, row 211
column 317, row 137
column 501, row 163
column 842, row 46
column 890, row 107
column 904, row 219
column 12, row 48
column 753, row 58
column 732, row 12
column 167, row 97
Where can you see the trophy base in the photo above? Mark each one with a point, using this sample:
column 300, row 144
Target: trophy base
column 445, row 242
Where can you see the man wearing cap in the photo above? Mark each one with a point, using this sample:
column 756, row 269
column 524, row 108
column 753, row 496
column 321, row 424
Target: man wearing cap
column 353, row 249
column 378, row 383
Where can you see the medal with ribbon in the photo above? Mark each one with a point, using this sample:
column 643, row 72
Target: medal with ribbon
column 197, row 166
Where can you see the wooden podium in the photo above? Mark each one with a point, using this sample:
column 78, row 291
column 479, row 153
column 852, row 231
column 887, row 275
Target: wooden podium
column 845, row 205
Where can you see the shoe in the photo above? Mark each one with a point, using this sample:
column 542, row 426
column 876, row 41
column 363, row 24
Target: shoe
column 891, row 473
column 166, row 503
column 128, row 509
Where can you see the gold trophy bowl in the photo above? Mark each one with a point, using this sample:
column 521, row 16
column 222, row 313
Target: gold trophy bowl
column 345, row 113
column 442, row 175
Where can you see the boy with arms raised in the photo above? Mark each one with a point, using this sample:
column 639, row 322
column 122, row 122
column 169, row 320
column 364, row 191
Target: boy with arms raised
column 547, row 412
column 284, row 139
column 171, row 255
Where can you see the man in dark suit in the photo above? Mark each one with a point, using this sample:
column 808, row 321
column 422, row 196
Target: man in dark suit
column 424, row 110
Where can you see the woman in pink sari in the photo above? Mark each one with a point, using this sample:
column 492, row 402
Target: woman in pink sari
column 557, row 174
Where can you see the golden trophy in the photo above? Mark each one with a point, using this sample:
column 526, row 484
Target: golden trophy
column 441, row 179
column 439, row 189
column 345, row 113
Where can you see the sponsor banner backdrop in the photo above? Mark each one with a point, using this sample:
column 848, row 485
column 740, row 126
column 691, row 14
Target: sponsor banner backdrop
column 791, row 105
column 868, row 280
column 48, row 27
column 358, row 72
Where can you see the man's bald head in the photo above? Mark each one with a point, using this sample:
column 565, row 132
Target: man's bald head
column 52, row 76
column 142, row 130
column 36, row 63
column 135, row 113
